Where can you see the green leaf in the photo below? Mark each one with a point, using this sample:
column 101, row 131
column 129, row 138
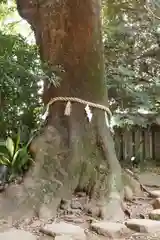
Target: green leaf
column 16, row 157
column 3, row 149
column 4, row 160
column 21, row 157
column 10, row 146
column 17, row 141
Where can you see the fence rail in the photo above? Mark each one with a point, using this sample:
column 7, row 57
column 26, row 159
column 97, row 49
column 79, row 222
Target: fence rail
column 141, row 143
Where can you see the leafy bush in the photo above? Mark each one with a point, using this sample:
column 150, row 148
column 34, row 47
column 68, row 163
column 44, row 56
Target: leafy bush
column 19, row 84
column 14, row 156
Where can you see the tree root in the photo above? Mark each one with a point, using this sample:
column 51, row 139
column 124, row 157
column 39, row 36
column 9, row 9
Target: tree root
column 135, row 177
column 110, row 206
column 111, row 209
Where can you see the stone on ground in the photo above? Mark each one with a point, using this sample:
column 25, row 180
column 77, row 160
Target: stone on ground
column 156, row 203
column 155, row 193
column 128, row 193
column 62, row 228
column 76, row 205
column 64, row 237
column 143, row 225
column 74, row 219
column 45, row 237
column 17, row 234
column 155, row 214
column 110, row 229
column 46, row 212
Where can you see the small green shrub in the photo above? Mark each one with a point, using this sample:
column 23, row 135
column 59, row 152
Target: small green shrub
column 14, row 156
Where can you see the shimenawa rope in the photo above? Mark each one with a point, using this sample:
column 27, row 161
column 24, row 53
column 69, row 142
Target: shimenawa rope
column 88, row 104
column 78, row 100
column 84, row 102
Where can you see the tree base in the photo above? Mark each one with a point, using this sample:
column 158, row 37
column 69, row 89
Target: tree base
column 17, row 205
column 57, row 173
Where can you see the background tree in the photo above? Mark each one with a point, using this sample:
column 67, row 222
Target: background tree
column 19, row 83
column 131, row 37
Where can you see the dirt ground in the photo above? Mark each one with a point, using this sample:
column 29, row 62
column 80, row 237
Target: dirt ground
column 138, row 208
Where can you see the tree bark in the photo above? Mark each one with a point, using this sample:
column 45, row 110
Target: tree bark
column 72, row 153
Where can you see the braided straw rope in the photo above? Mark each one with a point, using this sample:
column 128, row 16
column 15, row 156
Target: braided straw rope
column 78, row 100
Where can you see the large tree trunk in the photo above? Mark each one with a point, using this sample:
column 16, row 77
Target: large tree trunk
column 72, row 153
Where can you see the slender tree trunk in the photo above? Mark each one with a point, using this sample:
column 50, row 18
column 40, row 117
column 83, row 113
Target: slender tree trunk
column 73, row 153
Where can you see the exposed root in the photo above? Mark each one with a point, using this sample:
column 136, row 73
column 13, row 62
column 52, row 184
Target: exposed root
column 110, row 204
column 110, row 189
column 112, row 210
column 143, row 188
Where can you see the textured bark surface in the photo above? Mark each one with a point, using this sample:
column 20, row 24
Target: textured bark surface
column 73, row 153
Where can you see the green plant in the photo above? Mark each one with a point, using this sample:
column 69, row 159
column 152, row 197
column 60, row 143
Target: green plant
column 14, row 156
